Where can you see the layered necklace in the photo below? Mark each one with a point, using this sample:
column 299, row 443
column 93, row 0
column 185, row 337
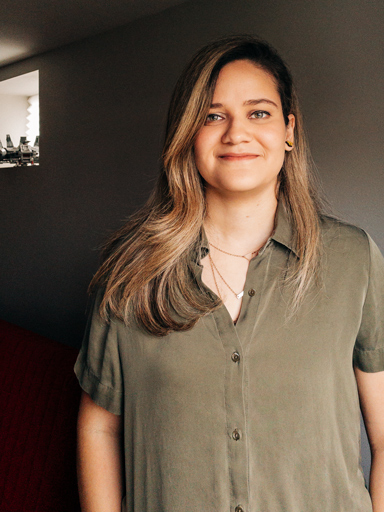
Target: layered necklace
column 214, row 268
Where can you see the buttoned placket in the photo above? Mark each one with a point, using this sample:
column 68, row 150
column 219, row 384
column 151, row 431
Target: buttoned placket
column 233, row 338
column 236, row 380
column 235, row 410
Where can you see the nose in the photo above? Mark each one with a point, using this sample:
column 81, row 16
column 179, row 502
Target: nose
column 236, row 132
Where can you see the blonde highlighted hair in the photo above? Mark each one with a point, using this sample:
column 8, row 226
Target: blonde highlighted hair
column 146, row 269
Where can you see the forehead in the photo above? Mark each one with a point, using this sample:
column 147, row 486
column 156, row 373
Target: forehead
column 244, row 77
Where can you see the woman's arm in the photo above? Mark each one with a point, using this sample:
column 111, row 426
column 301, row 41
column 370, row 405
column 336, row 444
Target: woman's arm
column 99, row 458
column 371, row 392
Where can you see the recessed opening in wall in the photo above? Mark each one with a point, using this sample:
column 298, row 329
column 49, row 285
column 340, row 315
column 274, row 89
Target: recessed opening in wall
column 19, row 120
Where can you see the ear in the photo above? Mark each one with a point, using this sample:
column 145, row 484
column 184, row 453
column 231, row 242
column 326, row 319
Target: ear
column 289, row 133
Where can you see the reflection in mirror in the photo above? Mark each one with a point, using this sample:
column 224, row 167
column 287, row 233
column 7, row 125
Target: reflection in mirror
column 19, row 121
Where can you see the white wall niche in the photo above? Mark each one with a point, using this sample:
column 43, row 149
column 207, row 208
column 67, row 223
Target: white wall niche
column 19, row 118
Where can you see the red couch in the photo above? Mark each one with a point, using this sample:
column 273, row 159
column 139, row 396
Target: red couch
column 39, row 400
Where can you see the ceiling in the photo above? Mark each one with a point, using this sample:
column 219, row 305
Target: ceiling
column 29, row 28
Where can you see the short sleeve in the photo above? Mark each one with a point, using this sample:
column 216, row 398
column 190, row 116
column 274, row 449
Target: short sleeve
column 98, row 366
column 369, row 347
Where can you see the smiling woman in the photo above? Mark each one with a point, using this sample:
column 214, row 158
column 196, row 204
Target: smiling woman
column 239, row 152
column 234, row 325
column 240, row 148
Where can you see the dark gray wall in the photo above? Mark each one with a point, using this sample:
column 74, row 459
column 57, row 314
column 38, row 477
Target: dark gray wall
column 103, row 106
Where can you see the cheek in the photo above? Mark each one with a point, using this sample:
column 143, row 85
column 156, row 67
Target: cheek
column 275, row 138
column 202, row 149
column 197, row 156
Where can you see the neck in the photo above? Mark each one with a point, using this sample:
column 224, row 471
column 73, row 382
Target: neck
column 239, row 224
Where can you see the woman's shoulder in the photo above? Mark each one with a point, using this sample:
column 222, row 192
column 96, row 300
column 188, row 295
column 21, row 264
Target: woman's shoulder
column 338, row 234
column 332, row 225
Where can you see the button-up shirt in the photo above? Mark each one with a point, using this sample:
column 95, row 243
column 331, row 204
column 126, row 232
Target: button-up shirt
column 261, row 416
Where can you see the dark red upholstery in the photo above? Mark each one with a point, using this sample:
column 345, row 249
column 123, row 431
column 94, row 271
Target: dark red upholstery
column 39, row 400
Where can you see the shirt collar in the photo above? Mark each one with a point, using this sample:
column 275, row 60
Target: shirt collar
column 283, row 233
column 284, row 230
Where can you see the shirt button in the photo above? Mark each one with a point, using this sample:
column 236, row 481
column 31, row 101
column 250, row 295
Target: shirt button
column 239, row 509
column 236, row 434
column 235, row 357
column 251, row 292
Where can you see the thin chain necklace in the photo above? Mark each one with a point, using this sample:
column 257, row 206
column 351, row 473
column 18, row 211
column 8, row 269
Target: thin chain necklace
column 213, row 267
column 236, row 255
column 214, row 277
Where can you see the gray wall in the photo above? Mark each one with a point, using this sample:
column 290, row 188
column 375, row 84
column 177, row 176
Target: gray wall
column 103, row 105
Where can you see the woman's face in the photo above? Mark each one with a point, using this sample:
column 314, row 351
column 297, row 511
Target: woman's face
column 241, row 147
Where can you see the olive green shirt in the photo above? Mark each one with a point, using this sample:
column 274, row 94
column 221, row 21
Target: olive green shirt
column 261, row 416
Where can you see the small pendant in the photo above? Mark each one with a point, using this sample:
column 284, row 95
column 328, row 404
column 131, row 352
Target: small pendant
column 239, row 295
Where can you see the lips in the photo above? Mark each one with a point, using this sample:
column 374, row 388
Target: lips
column 238, row 156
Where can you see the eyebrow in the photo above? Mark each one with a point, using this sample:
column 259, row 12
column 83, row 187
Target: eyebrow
column 248, row 102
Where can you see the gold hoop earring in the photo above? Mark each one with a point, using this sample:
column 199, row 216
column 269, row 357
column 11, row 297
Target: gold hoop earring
column 289, row 143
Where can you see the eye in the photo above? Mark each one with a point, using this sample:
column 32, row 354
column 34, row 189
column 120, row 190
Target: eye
column 213, row 117
column 260, row 114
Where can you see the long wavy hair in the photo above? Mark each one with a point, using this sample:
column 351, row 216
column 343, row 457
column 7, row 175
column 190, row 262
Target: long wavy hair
column 146, row 264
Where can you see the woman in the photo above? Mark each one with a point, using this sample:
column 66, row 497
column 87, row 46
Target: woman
column 232, row 320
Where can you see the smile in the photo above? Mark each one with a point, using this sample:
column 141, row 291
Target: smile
column 237, row 157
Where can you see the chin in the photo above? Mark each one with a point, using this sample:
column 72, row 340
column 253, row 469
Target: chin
column 239, row 190
column 244, row 187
